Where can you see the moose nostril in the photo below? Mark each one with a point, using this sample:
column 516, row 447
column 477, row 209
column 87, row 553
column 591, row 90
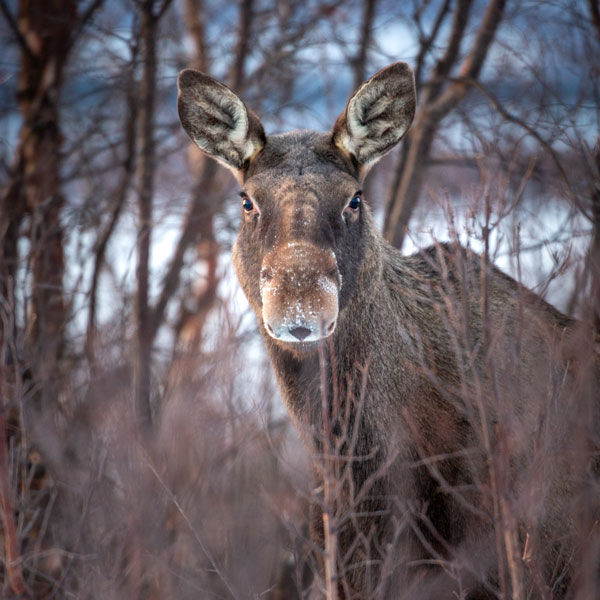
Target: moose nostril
column 300, row 332
column 331, row 326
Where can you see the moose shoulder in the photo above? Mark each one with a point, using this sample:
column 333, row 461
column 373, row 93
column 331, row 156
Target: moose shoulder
column 410, row 371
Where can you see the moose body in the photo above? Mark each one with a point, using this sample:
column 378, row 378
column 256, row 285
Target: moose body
column 384, row 361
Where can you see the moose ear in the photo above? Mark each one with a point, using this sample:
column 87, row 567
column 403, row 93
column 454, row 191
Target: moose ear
column 377, row 115
column 218, row 121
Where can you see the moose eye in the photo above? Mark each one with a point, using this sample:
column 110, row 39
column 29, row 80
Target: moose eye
column 354, row 203
column 351, row 214
column 247, row 204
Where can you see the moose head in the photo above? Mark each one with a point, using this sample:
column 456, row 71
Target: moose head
column 305, row 223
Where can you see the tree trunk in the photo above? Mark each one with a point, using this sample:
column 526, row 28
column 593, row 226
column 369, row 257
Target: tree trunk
column 47, row 39
column 246, row 15
column 13, row 210
column 145, row 200
column 359, row 62
column 410, row 179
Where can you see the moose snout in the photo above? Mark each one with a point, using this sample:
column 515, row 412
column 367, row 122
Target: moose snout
column 299, row 329
column 299, row 291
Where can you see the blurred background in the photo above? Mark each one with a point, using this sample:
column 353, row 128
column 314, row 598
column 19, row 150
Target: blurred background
column 144, row 449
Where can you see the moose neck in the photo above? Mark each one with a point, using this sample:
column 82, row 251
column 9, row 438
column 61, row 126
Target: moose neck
column 302, row 374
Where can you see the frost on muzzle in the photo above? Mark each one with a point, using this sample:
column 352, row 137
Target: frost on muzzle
column 299, row 286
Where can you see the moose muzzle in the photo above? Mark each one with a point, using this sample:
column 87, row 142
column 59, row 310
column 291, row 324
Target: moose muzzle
column 299, row 286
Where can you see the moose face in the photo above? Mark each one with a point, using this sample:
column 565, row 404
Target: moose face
column 300, row 245
column 304, row 222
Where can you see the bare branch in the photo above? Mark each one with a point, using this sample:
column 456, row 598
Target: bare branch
column 188, row 236
column 360, row 61
column 12, row 561
column 243, row 43
column 595, row 12
column 427, row 42
column 446, row 63
column 407, row 185
column 279, row 51
column 163, row 8
column 472, row 64
column 129, row 162
column 83, row 20
column 518, row 121
column 15, row 29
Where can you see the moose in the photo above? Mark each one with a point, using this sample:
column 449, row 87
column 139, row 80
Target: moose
column 432, row 390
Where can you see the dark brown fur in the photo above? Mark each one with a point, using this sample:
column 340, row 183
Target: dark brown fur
column 434, row 357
